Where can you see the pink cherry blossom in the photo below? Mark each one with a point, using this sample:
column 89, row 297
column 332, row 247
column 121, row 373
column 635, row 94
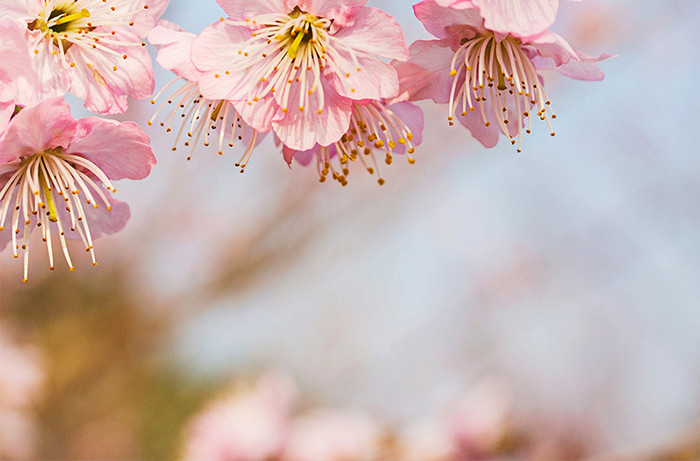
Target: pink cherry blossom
column 251, row 424
column 198, row 115
column 489, row 77
column 374, row 127
column 92, row 48
column 333, row 435
column 299, row 63
column 54, row 171
column 21, row 383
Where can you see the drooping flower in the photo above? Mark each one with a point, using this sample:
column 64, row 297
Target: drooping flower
column 298, row 64
column 489, row 77
column 92, row 48
column 56, row 173
column 200, row 116
column 375, row 127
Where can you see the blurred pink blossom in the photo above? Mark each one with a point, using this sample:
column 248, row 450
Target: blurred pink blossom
column 54, row 171
column 299, row 65
column 251, row 424
column 333, row 435
column 21, row 381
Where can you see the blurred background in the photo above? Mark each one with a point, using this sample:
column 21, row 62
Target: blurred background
column 481, row 304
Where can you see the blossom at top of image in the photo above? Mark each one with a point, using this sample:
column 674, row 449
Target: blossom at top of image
column 489, row 77
column 91, row 48
column 299, row 65
column 56, row 174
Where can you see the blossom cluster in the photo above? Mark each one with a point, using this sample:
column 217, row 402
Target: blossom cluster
column 266, row 420
column 332, row 81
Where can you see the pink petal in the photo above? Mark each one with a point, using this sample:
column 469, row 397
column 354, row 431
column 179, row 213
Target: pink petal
column 37, row 128
column 412, row 116
column 300, row 130
column 585, row 67
column 174, row 45
column 104, row 89
column 15, row 58
column 551, row 45
column 375, row 80
column 121, row 150
column 243, row 9
column 426, row 75
column 261, row 113
column 214, row 51
column 288, row 155
column 101, row 220
column 326, row 8
column 522, row 19
column 441, row 21
column 374, row 32
column 147, row 18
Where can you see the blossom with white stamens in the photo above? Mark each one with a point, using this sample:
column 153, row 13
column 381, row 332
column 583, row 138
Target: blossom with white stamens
column 56, row 173
column 299, row 63
column 197, row 116
column 485, row 64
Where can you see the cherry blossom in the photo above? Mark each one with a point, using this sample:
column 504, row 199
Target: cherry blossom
column 199, row 115
column 91, row 48
column 489, row 78
column 56, row 172
column 299, row 64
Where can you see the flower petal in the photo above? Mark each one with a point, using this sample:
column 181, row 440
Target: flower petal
column 120, row 150
column 441, row 21
column 374, row 79
column 174, row 46
column 375, row 32
column 243, row 9
column 522, row 19
column 300, row 130
column 37, row 128
column 426, row 75
column 104, row 89
column 101, row 220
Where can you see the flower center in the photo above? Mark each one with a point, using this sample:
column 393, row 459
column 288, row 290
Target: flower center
column 49, row 189
column 86, row 24
column 373, row 127
column 498, row 77
column 285, row 50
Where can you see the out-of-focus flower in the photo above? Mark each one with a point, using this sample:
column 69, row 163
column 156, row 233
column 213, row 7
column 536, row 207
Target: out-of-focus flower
column 92, row 48
column 486, row 61
column 299, row 65
column 333, row 435
column 53, row 175
column 374, row 127
column 471, row 428
column 199, row 115
column 21, row 380
column 251, row 424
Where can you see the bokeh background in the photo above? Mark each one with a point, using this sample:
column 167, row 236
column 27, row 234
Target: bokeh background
column 555, row 291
